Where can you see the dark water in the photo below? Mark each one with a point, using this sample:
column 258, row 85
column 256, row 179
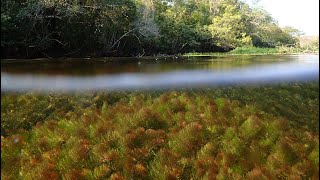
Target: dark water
column 161, row 118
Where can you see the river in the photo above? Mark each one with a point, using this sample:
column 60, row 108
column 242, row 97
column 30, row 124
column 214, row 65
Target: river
column 232, row 117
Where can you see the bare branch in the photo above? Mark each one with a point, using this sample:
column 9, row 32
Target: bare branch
column 124, row 35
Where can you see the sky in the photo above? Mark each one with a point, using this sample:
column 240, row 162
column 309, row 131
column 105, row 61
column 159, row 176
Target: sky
column 300, row 14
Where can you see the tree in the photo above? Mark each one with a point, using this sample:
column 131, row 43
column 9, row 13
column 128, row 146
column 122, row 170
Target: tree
column 73, row 26
column 264, row 30
column 228, row 28
column 137, row 27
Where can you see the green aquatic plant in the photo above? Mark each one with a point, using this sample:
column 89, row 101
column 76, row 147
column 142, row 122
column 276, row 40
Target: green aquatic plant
column 169, row 135
column 314, row 155
column 256, row 173
column 150, row 119
column 251, row 127
column 188, row 140
column 231, row 143
column 18, row 111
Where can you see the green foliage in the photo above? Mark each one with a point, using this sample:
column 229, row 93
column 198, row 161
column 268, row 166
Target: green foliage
column 251, row 50
column 254, row 50
column 228, row 28
column 309, row 44
column 265, row 32
column 135, row 27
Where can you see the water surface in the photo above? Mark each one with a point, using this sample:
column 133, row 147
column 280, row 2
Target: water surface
column 155, row 73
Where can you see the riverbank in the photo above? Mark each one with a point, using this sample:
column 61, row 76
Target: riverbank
column 259, row 51
column 237, row 51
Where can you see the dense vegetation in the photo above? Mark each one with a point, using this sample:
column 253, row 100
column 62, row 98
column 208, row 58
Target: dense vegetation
column 309, row 43
column 231, row 133
column 311, row 48
column 32, row 28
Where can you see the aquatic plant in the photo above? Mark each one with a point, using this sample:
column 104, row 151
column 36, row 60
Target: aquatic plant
column 250, row 127
column 169, row 135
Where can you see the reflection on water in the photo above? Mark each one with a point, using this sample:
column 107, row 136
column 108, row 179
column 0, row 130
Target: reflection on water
column 164, row 72
column 99, row 66
column 89, row 67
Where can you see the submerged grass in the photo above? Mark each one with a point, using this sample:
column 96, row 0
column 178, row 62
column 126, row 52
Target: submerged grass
column 228, row 133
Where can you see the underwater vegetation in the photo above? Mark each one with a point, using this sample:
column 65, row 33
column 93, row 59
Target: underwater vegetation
column 298, row 102
column 162, row 135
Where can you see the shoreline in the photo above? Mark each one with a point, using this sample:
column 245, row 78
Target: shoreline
column 119, row 58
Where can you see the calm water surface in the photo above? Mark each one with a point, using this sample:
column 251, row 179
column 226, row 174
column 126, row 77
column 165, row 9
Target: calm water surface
column 155, row 73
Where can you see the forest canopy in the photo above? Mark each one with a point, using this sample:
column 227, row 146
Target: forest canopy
column 135, row 27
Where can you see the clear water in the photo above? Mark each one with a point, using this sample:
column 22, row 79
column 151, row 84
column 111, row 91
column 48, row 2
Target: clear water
column 161, row 118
